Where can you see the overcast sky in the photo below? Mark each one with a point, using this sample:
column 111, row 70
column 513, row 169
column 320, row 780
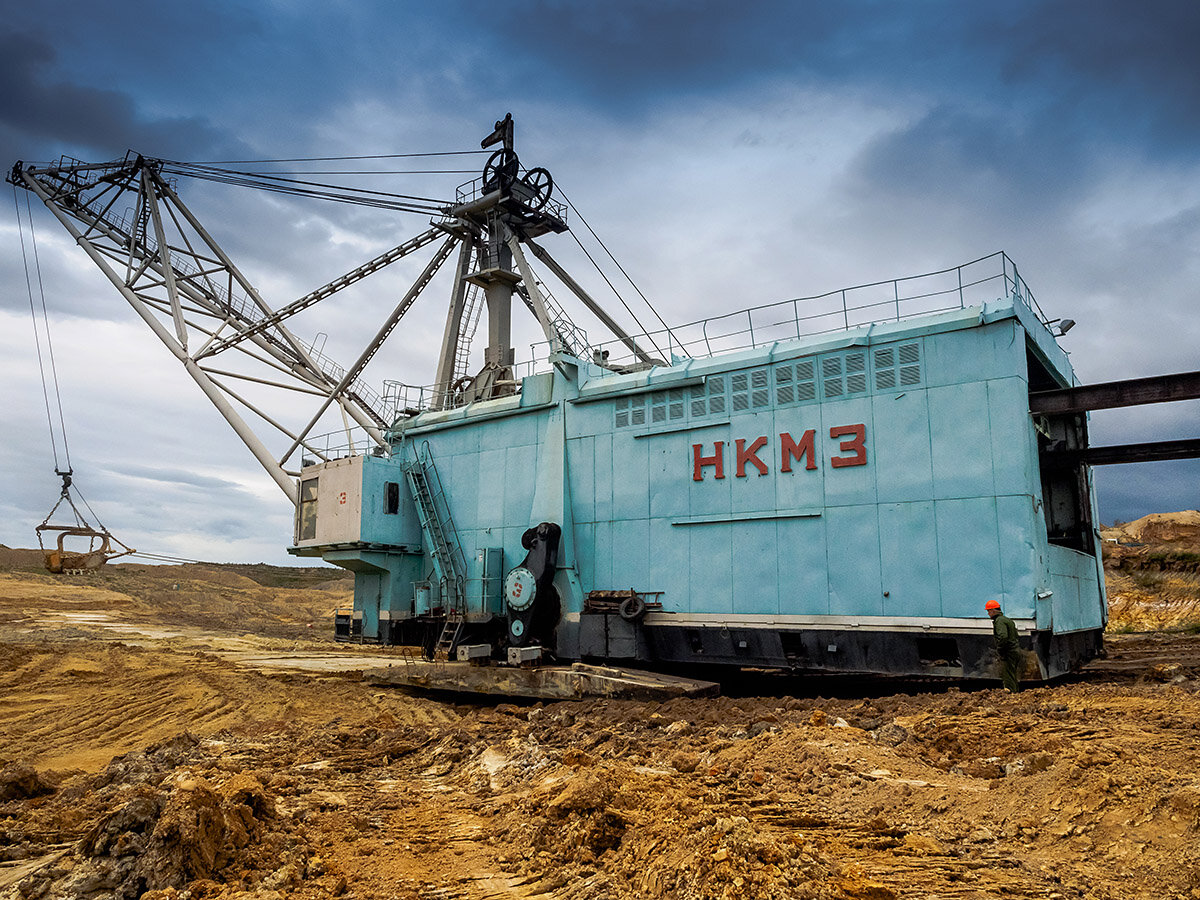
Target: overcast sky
column 729, row 154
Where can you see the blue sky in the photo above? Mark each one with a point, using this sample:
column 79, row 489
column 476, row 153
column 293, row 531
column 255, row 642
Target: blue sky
column 729, row 154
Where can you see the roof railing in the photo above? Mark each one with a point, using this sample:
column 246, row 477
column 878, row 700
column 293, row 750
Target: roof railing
column 987, row 279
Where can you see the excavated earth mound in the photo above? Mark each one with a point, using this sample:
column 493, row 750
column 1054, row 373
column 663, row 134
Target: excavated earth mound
column 1152, row 571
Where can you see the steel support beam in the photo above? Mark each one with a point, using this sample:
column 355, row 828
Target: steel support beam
column 206, row 384
column 361, row 416
column 535, row 296
column 328, row 290
column 164, row 254
column 1118, row 454
column 1114, row 394
column 382, row 335
column 599, row 311
column 448, row 356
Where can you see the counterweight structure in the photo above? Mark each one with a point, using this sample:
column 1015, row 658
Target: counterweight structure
column 835, row 484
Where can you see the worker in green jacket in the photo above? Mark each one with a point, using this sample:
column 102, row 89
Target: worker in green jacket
column 1008, row 646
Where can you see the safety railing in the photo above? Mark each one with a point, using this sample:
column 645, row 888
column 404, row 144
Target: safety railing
column 473, row 190
column 339, row 444
column 987, row 279
column 406, row 400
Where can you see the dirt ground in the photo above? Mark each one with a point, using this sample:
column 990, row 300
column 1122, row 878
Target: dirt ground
column 146, row 751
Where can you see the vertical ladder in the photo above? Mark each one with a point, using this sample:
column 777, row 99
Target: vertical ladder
column 470, row 323
column 450, row 633
column 438, row 527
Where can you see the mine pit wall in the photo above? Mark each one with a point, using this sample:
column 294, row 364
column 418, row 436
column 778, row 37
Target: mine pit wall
column 876, row 488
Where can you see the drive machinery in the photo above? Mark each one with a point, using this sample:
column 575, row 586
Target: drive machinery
column 836, row 483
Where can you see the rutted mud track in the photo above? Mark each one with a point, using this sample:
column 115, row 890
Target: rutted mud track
column 232, row 782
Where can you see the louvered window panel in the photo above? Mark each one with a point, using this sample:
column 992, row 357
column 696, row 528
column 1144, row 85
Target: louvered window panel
column 856, row 373
column 806, row 380
column 885, row 368
column 716, row 394
column 844, row 375
column 910, row 364
column 785, row 389
column 760, row 394
column 699, row 404
column 739, row 388
column 658, row 408
column 637, row 410
column 831, row 376
column 897, row 366
column 622, row 412
column 675, row 404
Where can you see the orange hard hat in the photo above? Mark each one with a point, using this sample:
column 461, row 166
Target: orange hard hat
column 992, row 604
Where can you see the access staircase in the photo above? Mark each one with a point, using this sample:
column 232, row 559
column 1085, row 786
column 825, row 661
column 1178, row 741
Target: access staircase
column 449, row 565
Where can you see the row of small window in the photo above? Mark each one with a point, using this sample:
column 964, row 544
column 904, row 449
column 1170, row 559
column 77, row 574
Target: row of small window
column 830, row 377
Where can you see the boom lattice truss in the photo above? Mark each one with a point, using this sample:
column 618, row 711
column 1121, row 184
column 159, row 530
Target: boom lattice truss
column 129, row 219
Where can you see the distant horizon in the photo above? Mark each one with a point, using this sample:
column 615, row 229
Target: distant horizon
column 318, row 563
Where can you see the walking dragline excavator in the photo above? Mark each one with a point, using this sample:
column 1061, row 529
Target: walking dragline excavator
column 830, row 484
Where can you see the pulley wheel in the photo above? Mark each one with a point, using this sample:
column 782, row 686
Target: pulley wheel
column 500, row 170
column 540, row 185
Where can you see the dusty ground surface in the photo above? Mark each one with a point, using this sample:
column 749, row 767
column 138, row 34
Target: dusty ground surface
column 141, row 755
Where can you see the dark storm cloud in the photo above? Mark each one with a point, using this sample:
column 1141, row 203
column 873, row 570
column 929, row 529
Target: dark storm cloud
column 1109, row 63
column 41, row 115
column 618, row 51
column 1092, row 68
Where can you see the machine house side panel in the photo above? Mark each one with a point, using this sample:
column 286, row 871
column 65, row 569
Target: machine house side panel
column 891, row 480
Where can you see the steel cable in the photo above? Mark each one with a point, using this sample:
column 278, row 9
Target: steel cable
column 244, row 162
column 37, row 341
column 608, row 252
column 37, row 263
column 300, row 187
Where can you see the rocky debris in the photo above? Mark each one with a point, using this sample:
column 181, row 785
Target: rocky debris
column 19, row 782
column 1166, row 672
column 892, row 735
column 614, row 800
column 1185, row 803
column 1152, row 571
column 156, row 841
column 1081, row 789
column 165, row 837
column 152, row 765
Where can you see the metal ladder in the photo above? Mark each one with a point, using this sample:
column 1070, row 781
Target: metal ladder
column 448, row 562
column 450, row 634
column 470, row 323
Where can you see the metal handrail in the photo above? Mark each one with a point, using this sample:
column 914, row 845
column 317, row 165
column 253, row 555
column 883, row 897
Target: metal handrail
column 988, row 278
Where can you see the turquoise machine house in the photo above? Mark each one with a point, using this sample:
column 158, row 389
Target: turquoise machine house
column 841, row 501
